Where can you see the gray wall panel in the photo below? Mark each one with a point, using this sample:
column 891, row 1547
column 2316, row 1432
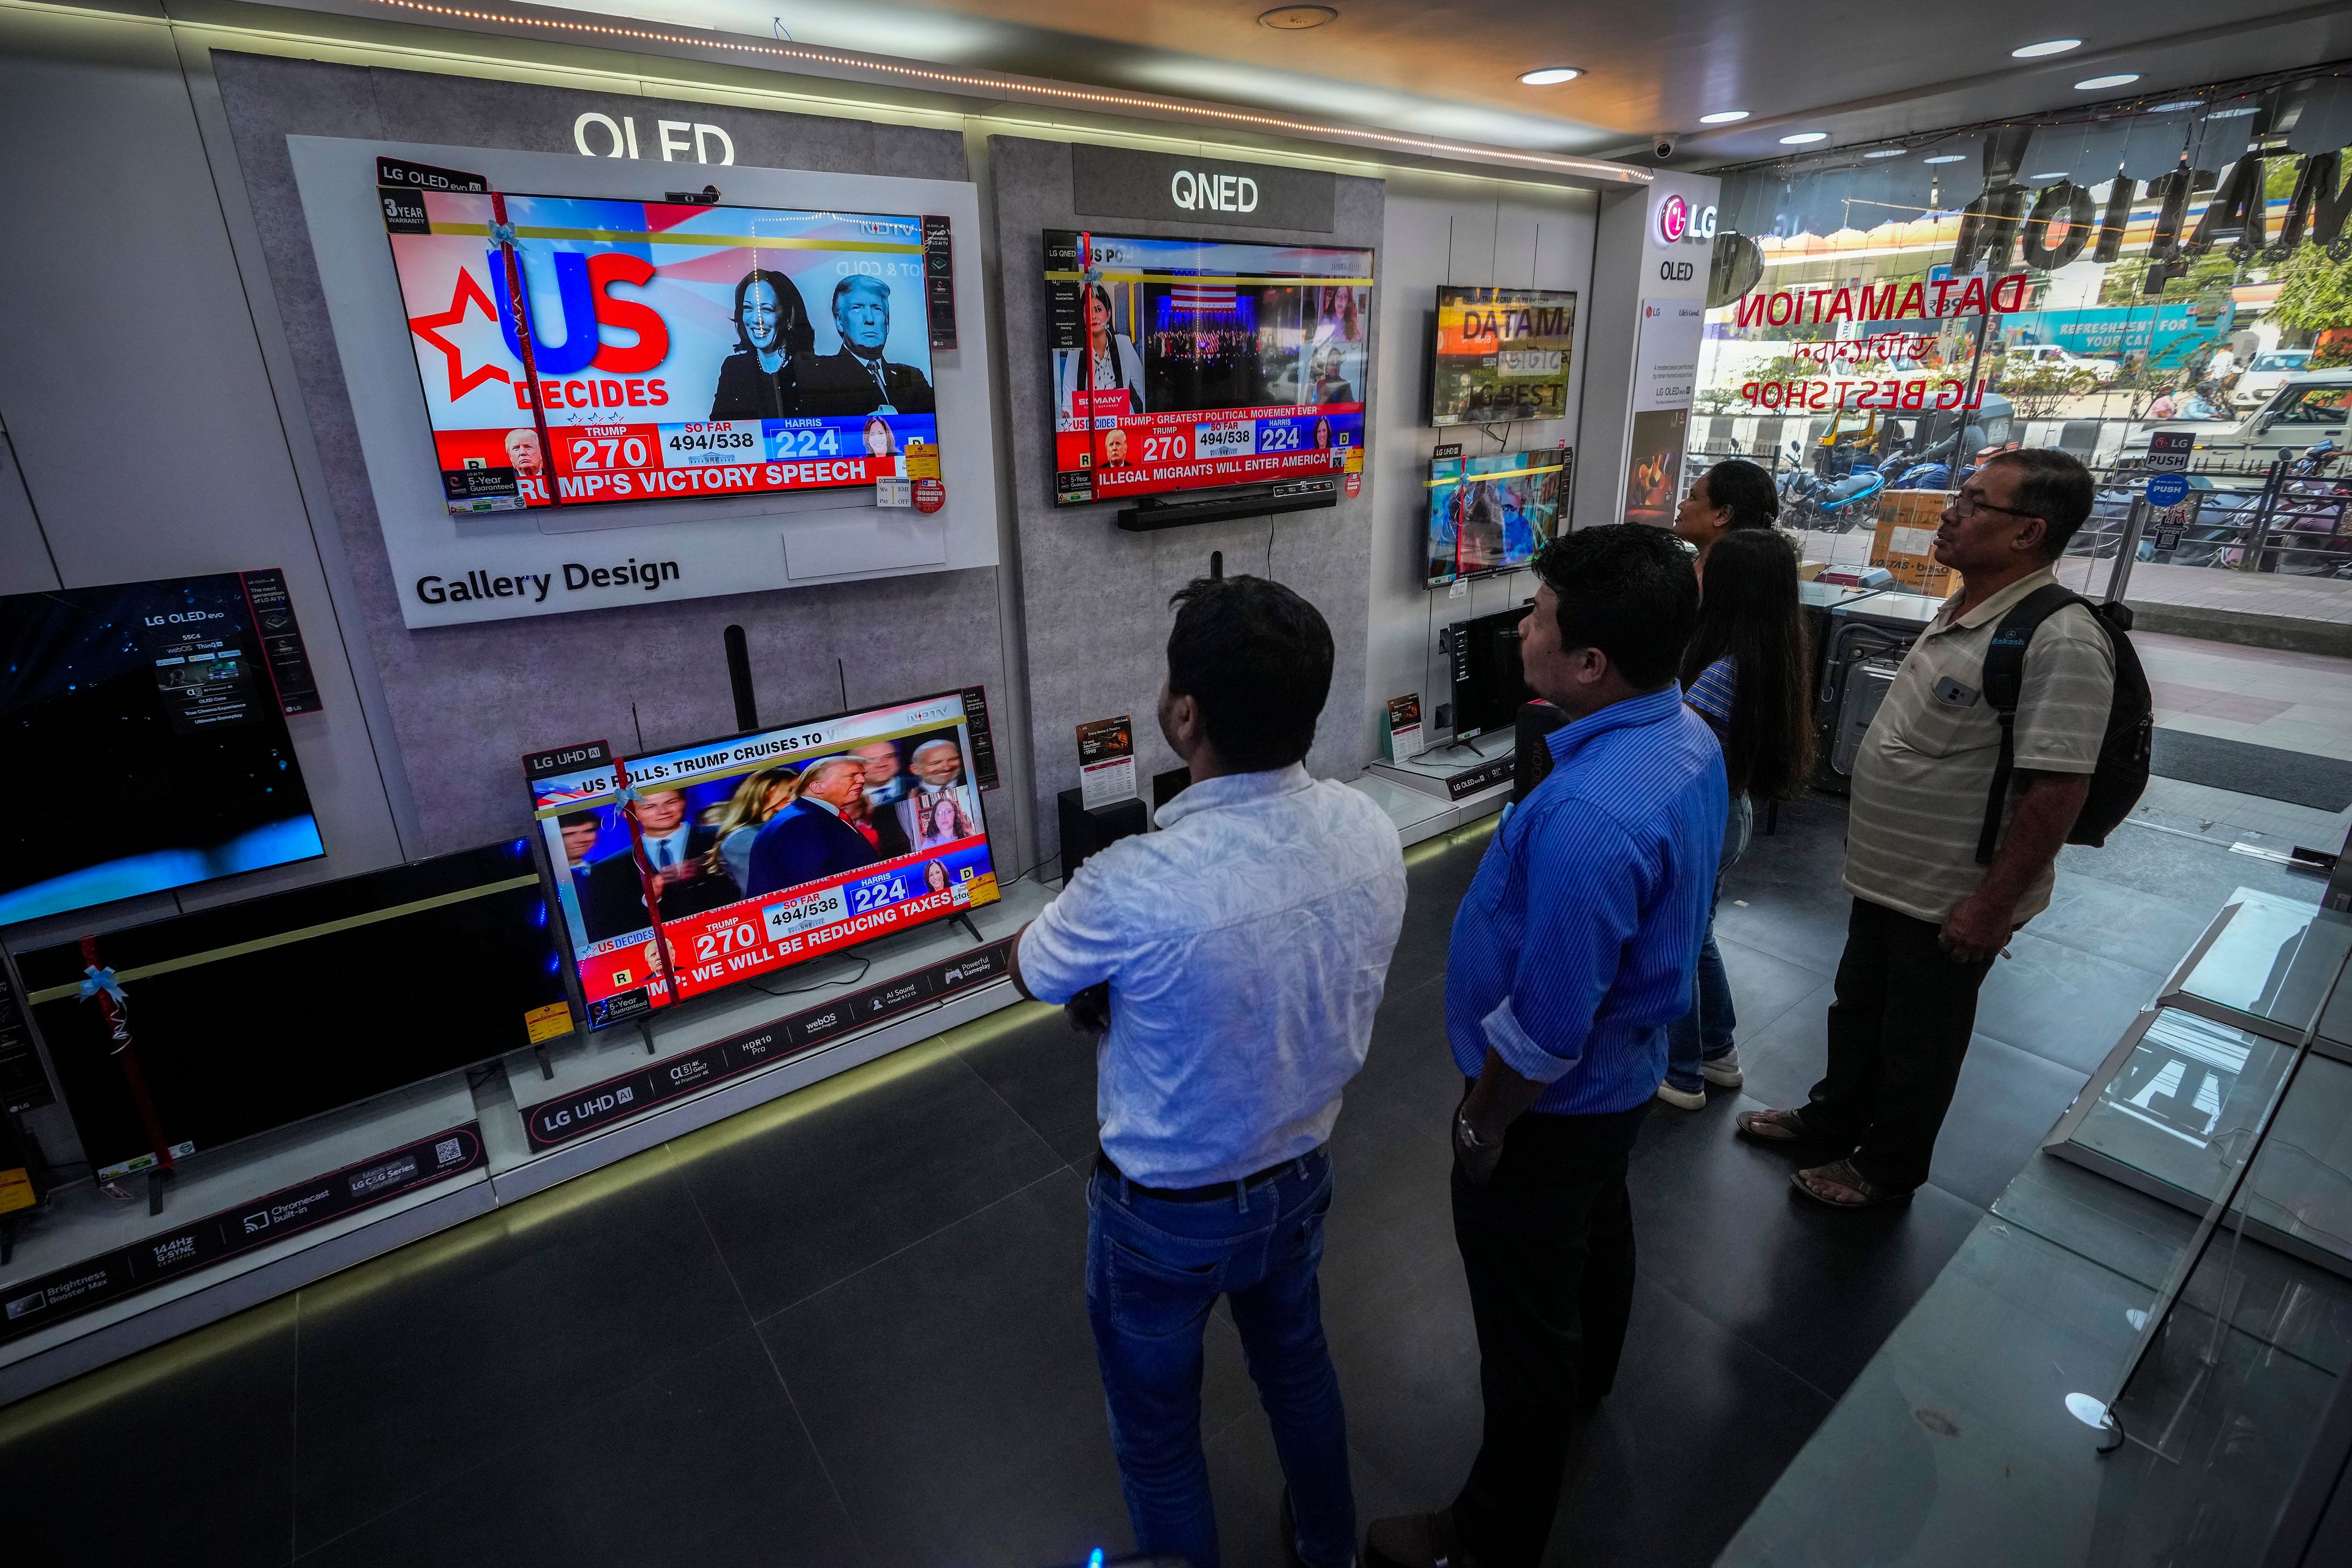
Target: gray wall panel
column 1095, row 600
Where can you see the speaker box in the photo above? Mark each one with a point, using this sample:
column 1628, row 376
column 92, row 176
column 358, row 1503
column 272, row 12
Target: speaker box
column 1530, row 757
column 1085, row 831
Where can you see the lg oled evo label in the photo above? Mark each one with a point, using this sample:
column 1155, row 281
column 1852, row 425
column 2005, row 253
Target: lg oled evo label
column 32, row 1305
column 1464, row 784
column 593, row 1109
column 283, row 653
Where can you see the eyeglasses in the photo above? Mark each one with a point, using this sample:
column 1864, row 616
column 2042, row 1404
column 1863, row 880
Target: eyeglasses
column 1965, row 506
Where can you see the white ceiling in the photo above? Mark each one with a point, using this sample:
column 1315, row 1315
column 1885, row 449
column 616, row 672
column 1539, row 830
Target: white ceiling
column 1448, row 68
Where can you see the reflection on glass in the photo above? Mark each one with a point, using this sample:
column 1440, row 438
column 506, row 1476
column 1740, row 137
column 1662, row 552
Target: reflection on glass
column 2273, row 958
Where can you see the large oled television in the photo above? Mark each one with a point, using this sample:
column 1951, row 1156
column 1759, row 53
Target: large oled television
column 1192, row 363
column 152, row 711
column 1492, row 513
column 1502, row 354
column 716, row 863
column 264, row 1012
column 674, row 351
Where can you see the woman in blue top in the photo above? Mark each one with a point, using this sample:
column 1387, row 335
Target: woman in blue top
column 1745, row 674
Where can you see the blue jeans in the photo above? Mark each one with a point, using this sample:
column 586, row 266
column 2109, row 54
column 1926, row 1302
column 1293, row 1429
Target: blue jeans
column 1154, row 1268
column 1704, row 1033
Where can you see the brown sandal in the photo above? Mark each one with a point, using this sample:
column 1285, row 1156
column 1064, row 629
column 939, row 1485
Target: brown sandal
column 1773, row 1126
column 1868, row 1195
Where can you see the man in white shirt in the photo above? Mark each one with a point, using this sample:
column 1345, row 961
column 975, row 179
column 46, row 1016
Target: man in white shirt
column 1232, row 964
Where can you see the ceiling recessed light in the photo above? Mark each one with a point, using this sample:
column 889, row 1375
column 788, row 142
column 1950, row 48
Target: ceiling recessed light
column 1297, row 18
column 1887, row 151
column 2053, row 47
column 2176, row 103
column 1723, row 117
column 1551, row 76
column 1801, row 137
column 2121, row 79
column 1944, row 158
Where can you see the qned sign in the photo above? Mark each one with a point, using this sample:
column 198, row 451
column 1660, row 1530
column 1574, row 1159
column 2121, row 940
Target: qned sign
column 1114, row 182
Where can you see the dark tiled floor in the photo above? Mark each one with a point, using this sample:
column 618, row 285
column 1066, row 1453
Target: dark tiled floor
column 855, row 1332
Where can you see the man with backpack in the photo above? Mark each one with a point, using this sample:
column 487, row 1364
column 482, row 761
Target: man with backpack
column 2018, row 723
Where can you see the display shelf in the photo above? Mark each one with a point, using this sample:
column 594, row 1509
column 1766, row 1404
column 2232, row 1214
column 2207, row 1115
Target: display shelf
column 1417, row 815
column 1459, row 772
column 210, row 1252
column 2264, row 964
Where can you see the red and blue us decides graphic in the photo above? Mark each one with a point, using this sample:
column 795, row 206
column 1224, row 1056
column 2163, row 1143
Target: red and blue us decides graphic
column 651, row 352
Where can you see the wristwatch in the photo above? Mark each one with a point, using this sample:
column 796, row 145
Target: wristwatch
column 1467, row 1136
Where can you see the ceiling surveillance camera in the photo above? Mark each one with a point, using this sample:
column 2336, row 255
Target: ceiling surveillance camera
column 1663, row 146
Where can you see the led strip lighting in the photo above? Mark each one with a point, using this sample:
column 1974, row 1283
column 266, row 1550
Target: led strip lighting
column 1079, row 96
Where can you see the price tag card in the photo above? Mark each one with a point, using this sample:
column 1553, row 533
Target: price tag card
column 922, row 460
column 1105, row 761
column 894, row 492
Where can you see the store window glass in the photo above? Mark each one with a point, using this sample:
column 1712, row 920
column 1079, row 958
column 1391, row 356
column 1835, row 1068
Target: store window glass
column 1883, row 317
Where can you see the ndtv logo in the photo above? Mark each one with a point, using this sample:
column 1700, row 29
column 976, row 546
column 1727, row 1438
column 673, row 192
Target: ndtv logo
column 1218, row 193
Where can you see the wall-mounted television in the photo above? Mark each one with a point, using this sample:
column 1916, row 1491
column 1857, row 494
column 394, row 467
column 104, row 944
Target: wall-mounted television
column 1502, row 354
column 260, row 1014
column 1190, row 363
column 760, row 850
column 1492, row 513
column 1489, row 682
column 152, row 709
column 674, row 351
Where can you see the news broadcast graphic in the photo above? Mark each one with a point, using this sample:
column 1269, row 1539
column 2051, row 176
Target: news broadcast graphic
column 761, row 850
column 576, row 351
column 1492, row 513
column 256, row 1015
column 152, row 710
column 1187, row 363
column 1502, row 354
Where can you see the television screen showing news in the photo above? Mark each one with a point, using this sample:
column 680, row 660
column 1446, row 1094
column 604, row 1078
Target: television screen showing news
column 1184, row 363
column 761, row 851
column 155, row 707
column 576, row 351
column 1492, row 513
column 1502, row 354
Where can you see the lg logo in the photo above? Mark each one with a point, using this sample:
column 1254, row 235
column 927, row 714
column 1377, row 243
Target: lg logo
column 1679, row 223
column 1219, row 193
column 678, row 137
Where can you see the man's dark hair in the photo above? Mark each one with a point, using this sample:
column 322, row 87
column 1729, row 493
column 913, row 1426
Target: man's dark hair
column 574, row 818
column 1257, row 658
column 1628, row 590
column 1746, row 490
column 2053, row 486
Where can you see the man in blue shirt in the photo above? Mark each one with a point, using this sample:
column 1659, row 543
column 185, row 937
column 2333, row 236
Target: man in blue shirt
column 1231, row 963
column 1572, row 951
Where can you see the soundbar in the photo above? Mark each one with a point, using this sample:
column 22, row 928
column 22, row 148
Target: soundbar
column 1257, row 500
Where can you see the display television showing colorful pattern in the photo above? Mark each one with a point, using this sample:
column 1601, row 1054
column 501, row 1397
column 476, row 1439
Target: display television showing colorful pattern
column 155, row 705
column 1492, row 513
column 1186, row 364
column 576, row 351
column 1502, row 354
column 762, row 851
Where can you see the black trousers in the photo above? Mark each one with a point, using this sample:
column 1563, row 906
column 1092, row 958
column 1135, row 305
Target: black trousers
column 1898, row 1032
column 1547, row 1248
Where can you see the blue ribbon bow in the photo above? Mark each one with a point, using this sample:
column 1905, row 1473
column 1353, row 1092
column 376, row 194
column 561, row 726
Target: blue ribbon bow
column 102, row 980
column 502, row 234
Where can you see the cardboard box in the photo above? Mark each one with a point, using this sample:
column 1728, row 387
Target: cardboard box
column 1906, row 541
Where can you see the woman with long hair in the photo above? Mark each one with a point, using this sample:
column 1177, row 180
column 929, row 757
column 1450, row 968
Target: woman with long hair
column 1745, row 673
column 758, row 796
column 760, row 380
column 1732, row 495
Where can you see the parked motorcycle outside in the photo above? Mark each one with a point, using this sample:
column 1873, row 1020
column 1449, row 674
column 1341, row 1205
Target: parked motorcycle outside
column 1838, row 491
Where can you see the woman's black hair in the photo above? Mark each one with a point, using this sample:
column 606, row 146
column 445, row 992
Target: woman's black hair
column 793, row 333
column 1748, row 611
column 1746, row 489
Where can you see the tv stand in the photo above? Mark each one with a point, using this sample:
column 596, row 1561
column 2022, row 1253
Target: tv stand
column 1253, row 501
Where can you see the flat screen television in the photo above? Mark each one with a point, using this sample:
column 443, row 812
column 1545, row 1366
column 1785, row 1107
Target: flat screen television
column 763, row 850
column 1492, row 513
column 673, row 351
column 1189, row 364
column 261, row 1014
column 1502, row 354
column 152, row 711
column 1488, row 683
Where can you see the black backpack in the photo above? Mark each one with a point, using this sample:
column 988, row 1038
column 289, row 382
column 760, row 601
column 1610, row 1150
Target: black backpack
column 2121, row 775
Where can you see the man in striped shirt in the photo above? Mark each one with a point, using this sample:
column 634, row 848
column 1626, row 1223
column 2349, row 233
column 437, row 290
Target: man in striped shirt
column 1572, row 951
column 1928, row 919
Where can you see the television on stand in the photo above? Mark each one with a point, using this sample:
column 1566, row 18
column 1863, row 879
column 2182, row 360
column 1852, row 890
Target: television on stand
column 760, row 850
column 1492, row 513
column 1204, row 378
column 1483, row 655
